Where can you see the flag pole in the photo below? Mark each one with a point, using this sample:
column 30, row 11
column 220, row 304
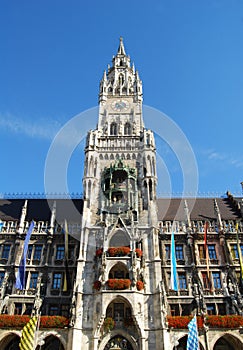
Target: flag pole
column 173, row 276
column 65, row 283
column 207, row 254
column 37, row 332
column 239, row 253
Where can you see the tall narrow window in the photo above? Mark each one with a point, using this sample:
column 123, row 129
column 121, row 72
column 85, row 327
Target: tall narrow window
column 202, row 253
column 182, row 280
column 60, row 252
column 118, row 311
column 37, row 252
column 211, row 251
column 113, row 129
column 56, row 282
column 216, row 280
column 179, row 252
column 127, row 129
column 167, row 252
column 234, row 251
column 30, row 249
column 6, row 251
column 206, row 282
column 2, row 273
column 33, row 279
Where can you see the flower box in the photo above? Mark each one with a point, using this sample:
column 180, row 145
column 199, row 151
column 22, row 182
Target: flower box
column 181, row 322
column 118, row 251
column 119, row 283
column 212, row 321
column 224, row 321
column 19, row 321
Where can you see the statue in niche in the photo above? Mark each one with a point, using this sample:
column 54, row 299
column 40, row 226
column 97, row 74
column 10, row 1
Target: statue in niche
column 105, row 128
column 38, row 300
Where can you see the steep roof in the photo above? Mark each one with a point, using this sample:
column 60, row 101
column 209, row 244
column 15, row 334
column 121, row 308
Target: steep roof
column 71, row 209
column 199, row 208
column 40, row 209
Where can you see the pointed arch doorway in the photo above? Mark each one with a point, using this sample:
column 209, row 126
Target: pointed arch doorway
column 118, row 342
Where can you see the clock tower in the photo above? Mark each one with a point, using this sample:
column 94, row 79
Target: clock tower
column 119, row 293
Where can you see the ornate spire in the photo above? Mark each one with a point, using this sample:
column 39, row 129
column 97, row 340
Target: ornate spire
column 121, row 49
column 23, row 216
column 217, row 212
column 121, row 79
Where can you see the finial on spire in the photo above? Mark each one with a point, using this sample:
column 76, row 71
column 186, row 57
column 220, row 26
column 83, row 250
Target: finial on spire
column 104, row 76
column 121, row 49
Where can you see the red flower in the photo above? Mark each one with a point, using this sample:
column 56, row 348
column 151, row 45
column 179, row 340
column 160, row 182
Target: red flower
column 119, row 283
column 181, row 322
column 118, row 251
column 97, row 285
column 109, row 324
column 140, row 285
column 19, row 321
column 139, row 252
column 214, row 321
column 99, row 252
column 226, row 321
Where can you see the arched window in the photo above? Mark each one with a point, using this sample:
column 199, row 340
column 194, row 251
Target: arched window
column 121, row 79
column 119, row 271
column 127, row 129
column 113, row 129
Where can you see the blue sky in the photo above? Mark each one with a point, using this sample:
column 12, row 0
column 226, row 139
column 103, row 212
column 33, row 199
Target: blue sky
column 189, row 54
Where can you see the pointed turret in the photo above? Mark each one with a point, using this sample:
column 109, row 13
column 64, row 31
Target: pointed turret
column 217, row 212
column 23, row 216
column 53, row 218
column 121, row 49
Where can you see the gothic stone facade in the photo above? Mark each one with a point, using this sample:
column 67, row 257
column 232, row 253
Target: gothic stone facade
column 119, row 294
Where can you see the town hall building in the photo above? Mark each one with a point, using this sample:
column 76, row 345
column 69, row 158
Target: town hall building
column 110, row 286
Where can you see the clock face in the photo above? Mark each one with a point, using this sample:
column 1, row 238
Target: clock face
column 120, row 105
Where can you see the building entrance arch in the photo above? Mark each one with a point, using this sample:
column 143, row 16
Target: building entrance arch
column 118, row 342
column 10, row 342
column 228, row 342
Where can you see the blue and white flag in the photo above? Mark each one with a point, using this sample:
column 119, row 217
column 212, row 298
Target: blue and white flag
column 192, row 339
column 1, row 225
column 173, row 275
column 20, row 280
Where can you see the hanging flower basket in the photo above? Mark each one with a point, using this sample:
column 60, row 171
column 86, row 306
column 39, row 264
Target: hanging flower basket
column 139, row 253
column 118, row 251
column 140, row 285
column 108, row 324
column 99, row 252
column 119, row 283
column 97, row 285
